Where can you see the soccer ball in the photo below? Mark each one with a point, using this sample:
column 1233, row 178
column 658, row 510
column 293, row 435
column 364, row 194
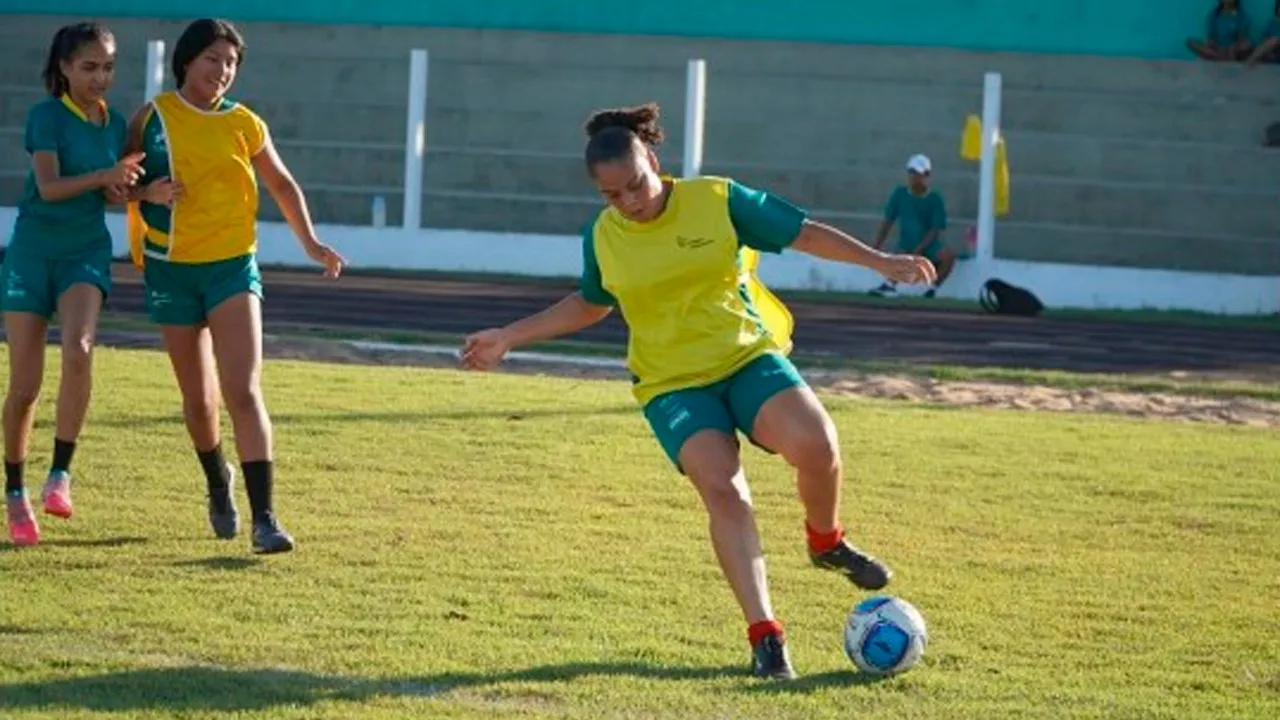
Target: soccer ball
column 885, row 635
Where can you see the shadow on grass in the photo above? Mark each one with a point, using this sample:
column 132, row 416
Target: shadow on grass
column 811, row 683
column 62, row 543
column 512, row 414
column 199, row 688
column 176, row 689
column 220, row 562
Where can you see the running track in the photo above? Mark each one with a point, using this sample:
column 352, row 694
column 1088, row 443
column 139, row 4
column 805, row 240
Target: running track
column 849, row 331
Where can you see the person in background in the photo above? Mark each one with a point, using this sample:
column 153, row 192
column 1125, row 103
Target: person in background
column 1268, row 49
column 921, row 215
column 1226, row 34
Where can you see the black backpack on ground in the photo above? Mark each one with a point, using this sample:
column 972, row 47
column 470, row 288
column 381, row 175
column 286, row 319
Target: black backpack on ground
column 1001, row 298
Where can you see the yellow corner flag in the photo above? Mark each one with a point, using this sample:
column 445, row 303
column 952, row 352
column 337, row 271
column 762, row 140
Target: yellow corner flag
column 971, row 140
column 971, row 149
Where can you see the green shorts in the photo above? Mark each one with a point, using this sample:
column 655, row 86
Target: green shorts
column 33, row 284
column 185, row 293
column 729, row 405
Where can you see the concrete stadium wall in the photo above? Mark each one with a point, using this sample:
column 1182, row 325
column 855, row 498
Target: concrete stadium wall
column 1129, row 28
column 1116, row 162
column 537, row 255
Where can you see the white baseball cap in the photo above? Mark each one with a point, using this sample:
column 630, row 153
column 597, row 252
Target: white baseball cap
column 919, row 164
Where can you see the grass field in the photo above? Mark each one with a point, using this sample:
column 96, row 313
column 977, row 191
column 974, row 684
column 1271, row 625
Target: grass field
column 512, row 546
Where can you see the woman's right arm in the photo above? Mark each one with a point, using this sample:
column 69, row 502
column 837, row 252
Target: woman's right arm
column 42, row 143
column 54, row 188
column 485, row 349
column 566, row 317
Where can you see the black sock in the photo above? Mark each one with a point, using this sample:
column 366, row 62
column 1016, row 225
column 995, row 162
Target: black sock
column 215, row 470
column 257, row 483
column 63, row 451
column 13, row 477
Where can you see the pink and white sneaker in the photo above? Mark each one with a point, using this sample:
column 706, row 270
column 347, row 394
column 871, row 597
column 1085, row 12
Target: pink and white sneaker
column 23, row 529
column 57, row 494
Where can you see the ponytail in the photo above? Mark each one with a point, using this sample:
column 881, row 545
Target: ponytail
column 611, row 134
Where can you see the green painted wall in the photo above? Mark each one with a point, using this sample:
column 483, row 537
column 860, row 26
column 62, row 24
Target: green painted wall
column 1133, row 28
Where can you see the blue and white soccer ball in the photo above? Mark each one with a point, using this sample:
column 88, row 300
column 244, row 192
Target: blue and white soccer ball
column 885, row 635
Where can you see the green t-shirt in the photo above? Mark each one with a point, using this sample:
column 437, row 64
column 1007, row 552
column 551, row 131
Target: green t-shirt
column 78, row 224
column 915, row 215
column 1226, row 28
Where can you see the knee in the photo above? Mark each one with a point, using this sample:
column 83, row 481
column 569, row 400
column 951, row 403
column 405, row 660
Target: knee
column 727, row 497
column 243, row 398
column 815, row 451
column 203, row 403
column 23, row 394
column 77, row 358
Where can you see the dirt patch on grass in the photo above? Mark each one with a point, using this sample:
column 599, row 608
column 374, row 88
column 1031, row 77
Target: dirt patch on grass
column 1232, row 411
column 1227, row 410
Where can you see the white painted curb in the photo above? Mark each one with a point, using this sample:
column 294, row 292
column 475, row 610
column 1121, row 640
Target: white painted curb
column 535, row 357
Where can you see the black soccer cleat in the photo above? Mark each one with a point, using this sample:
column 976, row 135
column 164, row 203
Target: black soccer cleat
column 224, row 518
column 860, row 568
column 770, row 659
column 269, row 537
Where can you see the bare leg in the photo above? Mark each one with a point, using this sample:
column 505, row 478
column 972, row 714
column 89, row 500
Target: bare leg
column 25, row 335
column 1203, row 50
column 78, row 310
column 945, row 264
column 794, row 424
column 236, row 324
column 711, row 460
column 190, row 351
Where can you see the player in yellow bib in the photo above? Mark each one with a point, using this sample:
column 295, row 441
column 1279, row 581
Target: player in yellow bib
column 198, row 253
column 708, row 347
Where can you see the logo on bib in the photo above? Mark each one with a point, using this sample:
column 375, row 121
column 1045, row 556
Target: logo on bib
column 693, row 243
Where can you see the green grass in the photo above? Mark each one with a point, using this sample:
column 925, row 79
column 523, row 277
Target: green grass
column 508, row 546
column 1145, row 316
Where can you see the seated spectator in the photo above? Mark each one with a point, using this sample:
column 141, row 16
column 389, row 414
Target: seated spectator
column 1268, row 49
column 921, row 215
column 1226, row 35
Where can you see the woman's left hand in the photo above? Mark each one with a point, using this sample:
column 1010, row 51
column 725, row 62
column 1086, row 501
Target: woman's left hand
column 326, row 256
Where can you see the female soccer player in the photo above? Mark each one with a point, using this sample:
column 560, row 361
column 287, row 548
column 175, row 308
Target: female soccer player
column 708, row 345
column 201, row 276
column 59, row 258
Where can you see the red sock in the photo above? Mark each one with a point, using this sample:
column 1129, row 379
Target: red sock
column 759, row 630
column 824, row 542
